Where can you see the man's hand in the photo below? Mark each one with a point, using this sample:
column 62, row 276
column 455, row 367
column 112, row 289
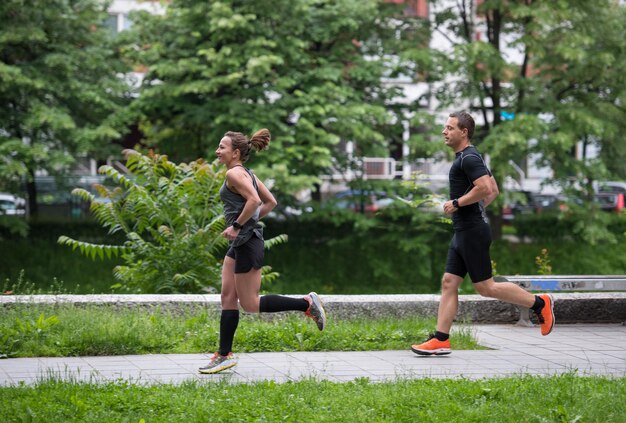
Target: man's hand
column 448, row 207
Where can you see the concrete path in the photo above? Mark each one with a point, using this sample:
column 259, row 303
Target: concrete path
column 587, row 349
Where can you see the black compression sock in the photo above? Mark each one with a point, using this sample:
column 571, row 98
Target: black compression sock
column 229, row 320
column 441, row 336
column 275, row 303
column 539, row 303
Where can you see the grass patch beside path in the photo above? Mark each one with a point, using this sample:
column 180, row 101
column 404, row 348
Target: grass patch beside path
column 565, row 398
column 33, row 330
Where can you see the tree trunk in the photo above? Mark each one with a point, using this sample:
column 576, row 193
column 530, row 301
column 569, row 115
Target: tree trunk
column 495, row 221
column 316, row 194
column 31, row 191
column 495, row 27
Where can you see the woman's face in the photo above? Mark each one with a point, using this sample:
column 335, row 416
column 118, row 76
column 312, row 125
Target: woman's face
column 225, row 151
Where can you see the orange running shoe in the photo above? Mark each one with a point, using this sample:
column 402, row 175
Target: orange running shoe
column 546, row 316
column 432, row 346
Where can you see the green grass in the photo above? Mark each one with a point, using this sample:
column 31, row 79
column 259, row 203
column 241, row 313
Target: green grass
column 32, row 330
column 565, row 398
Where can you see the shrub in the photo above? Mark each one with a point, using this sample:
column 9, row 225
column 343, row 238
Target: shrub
column 395, row 251
column 589, row 226
column 171, row 216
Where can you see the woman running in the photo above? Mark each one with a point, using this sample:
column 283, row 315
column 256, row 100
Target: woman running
column 247, row 200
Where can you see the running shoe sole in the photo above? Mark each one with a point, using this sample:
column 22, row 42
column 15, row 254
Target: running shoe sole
column 217, row 369
column 552, row 313
column 317, row 303
column 438, row 351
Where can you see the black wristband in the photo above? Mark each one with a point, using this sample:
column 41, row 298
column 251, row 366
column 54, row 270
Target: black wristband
column 455, row 203
column 237, row 225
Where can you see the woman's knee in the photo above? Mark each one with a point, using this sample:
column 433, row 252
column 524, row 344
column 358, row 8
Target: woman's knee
column 228, row 296
column 229, row 299
column 250, row 305
column 248, row 285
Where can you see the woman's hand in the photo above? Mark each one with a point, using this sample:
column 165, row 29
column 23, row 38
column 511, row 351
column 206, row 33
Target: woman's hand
column 230, row 233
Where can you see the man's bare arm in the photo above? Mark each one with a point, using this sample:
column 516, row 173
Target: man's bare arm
column 494, row 192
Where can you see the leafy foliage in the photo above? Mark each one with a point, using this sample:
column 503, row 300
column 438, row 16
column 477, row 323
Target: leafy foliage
column 323, row 256
column 543, row 263
column 577, row 224
column 311, row 71
column 23, row 329
column 13, row 225
column 573, row 97
column 546, row 79
column 59, row 88
column 400, row 249
column 171, row 216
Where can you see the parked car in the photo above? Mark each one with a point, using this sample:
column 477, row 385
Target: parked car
column 611, row 196
column 609, row 201
column 12, row 205
column 526, row 202
column 612, row 187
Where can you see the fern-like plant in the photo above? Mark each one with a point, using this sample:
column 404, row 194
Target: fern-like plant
column 172, row 218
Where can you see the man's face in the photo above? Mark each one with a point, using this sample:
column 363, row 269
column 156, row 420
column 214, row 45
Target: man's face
column 452, row 134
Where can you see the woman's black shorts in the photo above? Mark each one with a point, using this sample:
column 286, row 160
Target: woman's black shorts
column 469, row 253
column 248, row 255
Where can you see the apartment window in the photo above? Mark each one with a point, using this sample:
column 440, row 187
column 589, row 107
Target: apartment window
column 118, row 23
column 111, row 24
column 127, row 23
column 416, row 8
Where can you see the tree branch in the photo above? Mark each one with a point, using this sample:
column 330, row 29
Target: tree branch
column 446, row 36
column 466, row 22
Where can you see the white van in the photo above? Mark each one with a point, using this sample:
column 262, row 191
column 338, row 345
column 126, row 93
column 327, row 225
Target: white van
column 11, row 205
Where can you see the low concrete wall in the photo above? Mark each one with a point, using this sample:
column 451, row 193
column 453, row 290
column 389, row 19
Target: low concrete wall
column 569, row 308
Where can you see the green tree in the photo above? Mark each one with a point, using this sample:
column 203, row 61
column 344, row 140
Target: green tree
column 59, row 87
column 309, row 70
column 568, row 89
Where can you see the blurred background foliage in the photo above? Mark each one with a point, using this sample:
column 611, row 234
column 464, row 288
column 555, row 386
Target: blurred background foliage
column 342, row 256
column 316, row 73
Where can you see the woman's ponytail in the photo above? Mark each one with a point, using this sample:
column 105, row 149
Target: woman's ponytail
column 261, row 139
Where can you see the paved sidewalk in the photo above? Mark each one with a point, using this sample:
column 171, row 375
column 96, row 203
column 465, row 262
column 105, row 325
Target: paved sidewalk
column 589, row 349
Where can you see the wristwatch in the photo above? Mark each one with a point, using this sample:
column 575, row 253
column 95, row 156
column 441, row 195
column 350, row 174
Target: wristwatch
column 237, row 225
column 455, row 203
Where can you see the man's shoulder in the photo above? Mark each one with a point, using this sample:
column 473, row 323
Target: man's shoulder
column 471, row 151
column 471, row 158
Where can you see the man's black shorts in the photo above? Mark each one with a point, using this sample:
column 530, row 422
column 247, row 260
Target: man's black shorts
column 469, row 253
column 248, row 255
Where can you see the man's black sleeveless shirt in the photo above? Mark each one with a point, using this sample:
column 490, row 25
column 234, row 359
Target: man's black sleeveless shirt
column 467, row 167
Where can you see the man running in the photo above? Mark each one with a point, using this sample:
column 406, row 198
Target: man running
column 472, row 188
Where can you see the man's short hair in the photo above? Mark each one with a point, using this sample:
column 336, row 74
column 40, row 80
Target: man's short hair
column 466, row 121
